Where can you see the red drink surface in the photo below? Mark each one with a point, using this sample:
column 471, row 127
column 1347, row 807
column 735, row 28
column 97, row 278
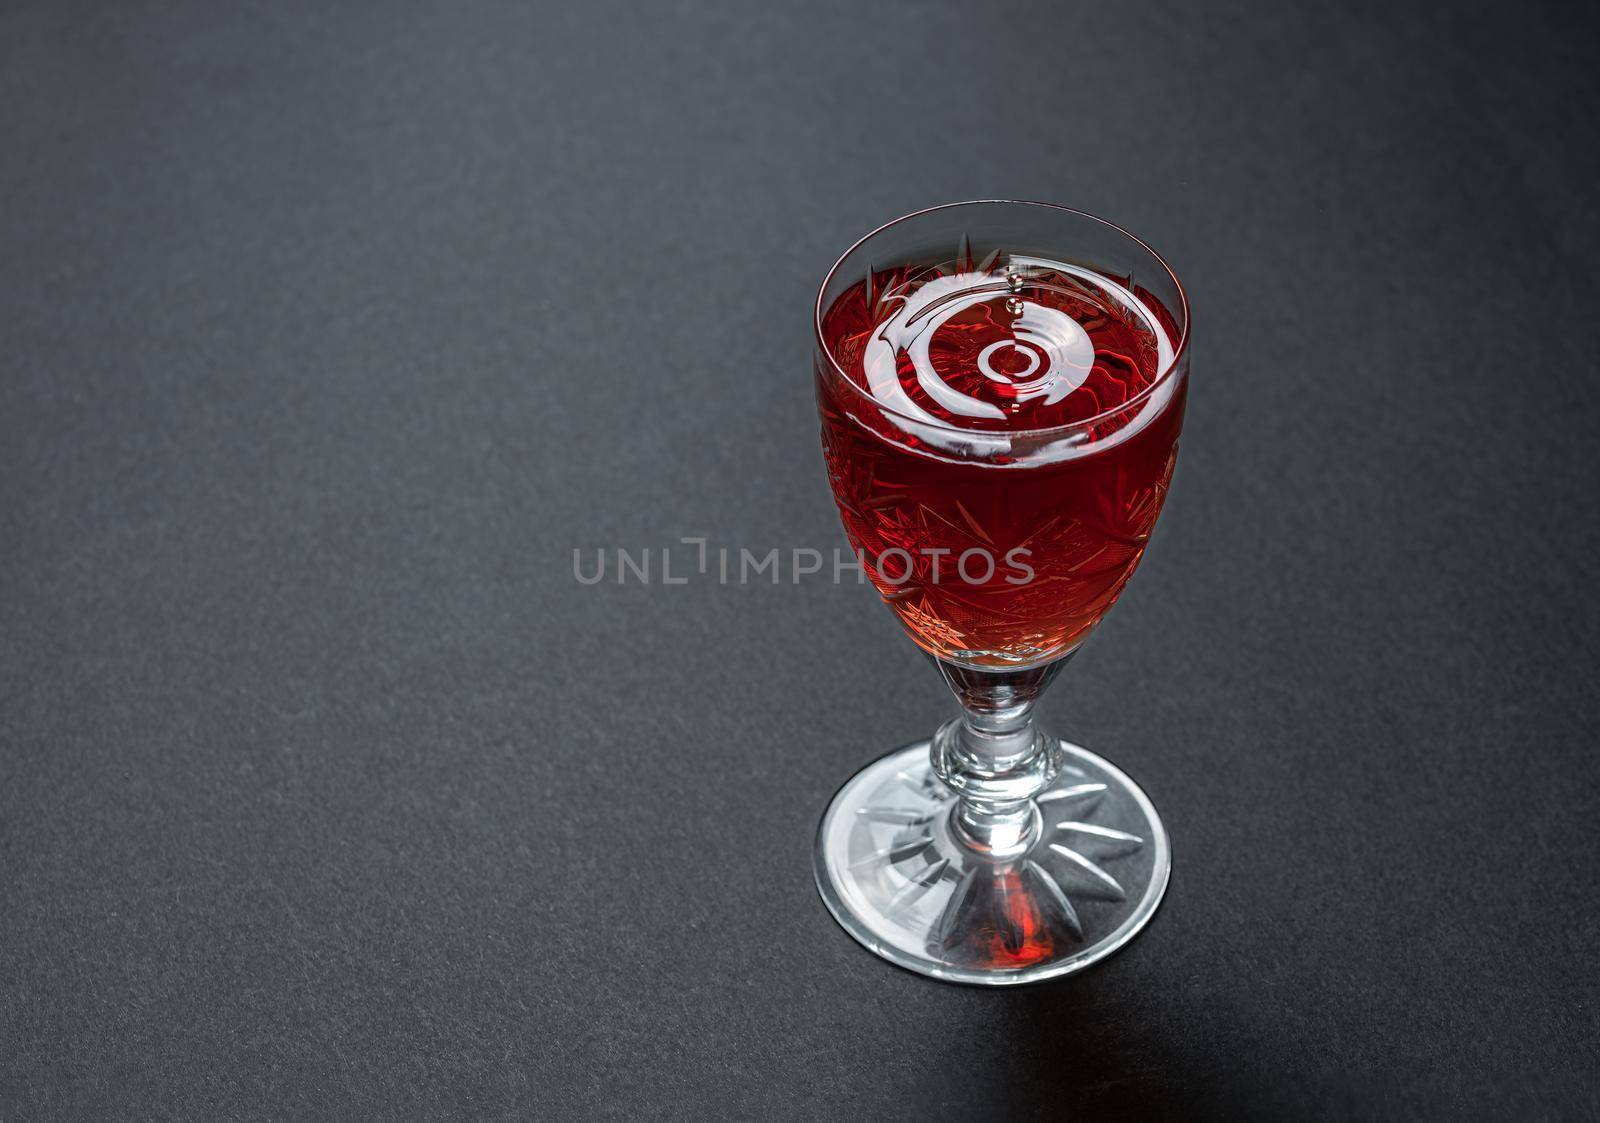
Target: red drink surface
column 933, row 443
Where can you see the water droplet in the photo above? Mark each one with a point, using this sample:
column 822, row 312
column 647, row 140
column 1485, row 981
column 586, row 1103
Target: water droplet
column 1014, row 305
column 1015, row 279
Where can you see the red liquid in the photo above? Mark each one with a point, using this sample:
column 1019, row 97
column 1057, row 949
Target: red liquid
column 983, row 360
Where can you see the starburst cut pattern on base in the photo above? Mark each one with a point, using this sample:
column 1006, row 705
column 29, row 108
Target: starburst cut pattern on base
column 1010, row 914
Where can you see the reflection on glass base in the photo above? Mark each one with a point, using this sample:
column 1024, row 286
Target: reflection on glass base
column 897, row 880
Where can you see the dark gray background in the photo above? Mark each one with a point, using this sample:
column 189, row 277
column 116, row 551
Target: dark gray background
column 329, row 331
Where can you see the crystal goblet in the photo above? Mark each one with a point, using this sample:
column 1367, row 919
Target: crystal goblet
column 1001, row 387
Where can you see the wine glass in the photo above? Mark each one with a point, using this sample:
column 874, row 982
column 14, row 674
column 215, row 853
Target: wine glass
column 1001, row 386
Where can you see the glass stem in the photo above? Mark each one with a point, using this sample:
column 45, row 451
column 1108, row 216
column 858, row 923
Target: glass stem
column 995, row 757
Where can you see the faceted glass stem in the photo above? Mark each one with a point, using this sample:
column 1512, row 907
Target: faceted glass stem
column 995, row 757
column 993, row 853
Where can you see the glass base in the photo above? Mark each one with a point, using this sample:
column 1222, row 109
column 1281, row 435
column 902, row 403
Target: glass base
column 897, row 879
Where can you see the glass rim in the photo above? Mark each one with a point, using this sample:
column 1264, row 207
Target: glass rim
column 1163, row 375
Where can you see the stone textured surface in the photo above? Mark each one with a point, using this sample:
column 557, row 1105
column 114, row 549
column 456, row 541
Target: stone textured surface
column 328, row 331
